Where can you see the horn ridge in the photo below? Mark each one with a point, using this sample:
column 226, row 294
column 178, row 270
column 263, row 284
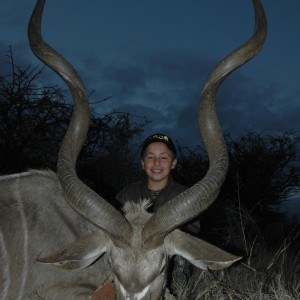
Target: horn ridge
column 200, row 196
column 80, row 197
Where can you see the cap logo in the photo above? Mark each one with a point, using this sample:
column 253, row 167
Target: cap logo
column 160, row 137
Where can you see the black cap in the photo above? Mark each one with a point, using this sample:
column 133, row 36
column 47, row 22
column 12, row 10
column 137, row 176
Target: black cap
column 158, row 137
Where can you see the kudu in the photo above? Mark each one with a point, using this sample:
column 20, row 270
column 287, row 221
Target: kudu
column 42, row 212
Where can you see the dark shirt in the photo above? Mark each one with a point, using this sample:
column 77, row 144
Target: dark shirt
column 139, row 191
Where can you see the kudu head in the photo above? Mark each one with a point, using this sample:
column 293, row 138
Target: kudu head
column 139, row 244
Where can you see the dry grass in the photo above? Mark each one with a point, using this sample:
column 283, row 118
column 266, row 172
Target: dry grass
column 264, row 275
column 242, row 282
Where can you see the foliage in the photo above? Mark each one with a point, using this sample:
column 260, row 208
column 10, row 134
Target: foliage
column 33, row 121
column 264, row 273
column 264, row 169
column 263, row 173
column 108, row 162
column 245, row 219
column 192, row 165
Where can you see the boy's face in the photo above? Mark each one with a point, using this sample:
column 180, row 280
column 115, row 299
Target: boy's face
column 158, row 161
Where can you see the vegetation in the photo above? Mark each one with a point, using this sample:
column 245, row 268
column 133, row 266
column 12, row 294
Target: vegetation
column 33, row 121
column 245, row 219
column 267, row 273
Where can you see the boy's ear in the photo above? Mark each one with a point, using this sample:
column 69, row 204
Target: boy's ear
column 174, row 163
column 143, row 164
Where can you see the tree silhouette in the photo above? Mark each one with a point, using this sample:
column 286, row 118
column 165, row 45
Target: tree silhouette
column 33, row 121
column 108, row 159
column 265, row 168
column 263, row 173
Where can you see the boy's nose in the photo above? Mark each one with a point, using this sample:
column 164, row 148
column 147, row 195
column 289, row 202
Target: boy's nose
column 157, row 161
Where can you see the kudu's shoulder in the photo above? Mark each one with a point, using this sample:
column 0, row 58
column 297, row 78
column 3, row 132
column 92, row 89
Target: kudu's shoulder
column 38, row 188
column 31, row 178
column 30, row 174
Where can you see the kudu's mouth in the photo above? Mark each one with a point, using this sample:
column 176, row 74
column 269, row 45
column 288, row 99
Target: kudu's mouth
column 185, row 206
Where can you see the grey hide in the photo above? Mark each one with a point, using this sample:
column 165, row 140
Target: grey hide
column 35, row 220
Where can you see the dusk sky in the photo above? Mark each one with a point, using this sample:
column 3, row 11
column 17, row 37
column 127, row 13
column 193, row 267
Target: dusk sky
column 153, row 57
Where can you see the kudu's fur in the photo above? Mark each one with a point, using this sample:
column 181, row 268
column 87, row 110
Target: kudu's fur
column 41, row 212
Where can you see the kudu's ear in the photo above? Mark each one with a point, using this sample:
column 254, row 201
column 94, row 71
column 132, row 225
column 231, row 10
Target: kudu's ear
column 80, row 253
column 198, row 252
